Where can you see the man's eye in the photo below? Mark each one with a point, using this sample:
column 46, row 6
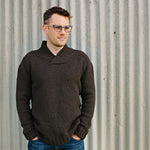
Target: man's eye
column 67, row 27
column 58, row 27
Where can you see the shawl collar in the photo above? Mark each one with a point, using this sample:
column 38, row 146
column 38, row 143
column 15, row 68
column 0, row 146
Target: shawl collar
column 62, row 57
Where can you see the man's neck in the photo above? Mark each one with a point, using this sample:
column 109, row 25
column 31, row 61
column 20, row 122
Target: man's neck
column 55, row 50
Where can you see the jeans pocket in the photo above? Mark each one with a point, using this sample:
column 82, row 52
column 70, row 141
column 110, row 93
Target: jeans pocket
column 76, row 139
column 74, row 144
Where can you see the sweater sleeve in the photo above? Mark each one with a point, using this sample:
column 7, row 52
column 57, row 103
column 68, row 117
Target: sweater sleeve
column 23, row 96
column 88, row 101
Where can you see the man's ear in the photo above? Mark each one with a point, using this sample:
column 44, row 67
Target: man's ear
column 45, row 28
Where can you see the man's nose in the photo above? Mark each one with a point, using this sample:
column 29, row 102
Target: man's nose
column 63, row 31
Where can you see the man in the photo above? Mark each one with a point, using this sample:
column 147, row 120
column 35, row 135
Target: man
column 53, row 78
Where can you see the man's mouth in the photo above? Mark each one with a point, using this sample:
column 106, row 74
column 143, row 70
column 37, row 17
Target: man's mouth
column 61, row 38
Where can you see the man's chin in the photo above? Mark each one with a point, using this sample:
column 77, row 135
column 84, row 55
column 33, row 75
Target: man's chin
column 61, row 44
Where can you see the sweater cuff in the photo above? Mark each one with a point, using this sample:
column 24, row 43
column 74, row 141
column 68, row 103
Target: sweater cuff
column 81, row 132
column 30, row 134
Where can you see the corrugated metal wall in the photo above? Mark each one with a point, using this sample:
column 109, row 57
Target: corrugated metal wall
column 116, row 35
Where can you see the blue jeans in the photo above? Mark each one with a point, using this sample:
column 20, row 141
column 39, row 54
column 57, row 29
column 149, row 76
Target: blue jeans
column 71, row 145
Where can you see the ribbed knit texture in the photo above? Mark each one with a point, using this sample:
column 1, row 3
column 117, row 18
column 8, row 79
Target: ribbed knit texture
column 53, row 85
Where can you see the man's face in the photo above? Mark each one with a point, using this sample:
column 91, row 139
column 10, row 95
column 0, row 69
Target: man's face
column 57, row 39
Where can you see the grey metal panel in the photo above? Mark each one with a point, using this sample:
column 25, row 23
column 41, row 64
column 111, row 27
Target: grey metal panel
column 115, row 35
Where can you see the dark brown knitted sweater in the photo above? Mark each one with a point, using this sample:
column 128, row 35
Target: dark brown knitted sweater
column 53, row 85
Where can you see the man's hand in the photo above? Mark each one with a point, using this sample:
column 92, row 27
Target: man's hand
column 35, row 138
column 76, row 137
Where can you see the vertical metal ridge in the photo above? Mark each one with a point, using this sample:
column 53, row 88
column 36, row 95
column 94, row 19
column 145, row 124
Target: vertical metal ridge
column 18, row 54
column 122, row 78
column 73, row 23
column 102, row 93
column 142, row 102
column 132, row 129
column 5, row 71
column 35, row 23
column 148, row 75
column 92, row 53
column 83, row 25
column 112, row 76
column 1, row 69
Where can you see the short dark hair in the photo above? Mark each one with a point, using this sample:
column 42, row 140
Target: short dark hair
column 55, row 10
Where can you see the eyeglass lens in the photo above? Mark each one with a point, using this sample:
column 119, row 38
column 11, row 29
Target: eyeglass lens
column 59, row 28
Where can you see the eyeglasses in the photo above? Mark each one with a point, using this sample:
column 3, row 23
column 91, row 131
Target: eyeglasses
column 59, row 28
